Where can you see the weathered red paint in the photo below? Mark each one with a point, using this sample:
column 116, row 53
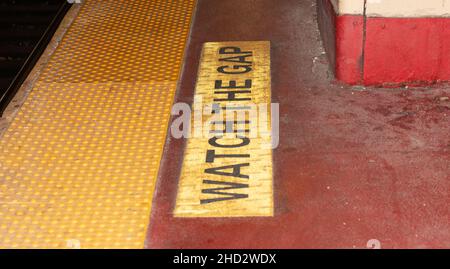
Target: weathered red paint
column 349, row 42
column 351, row 165
column 407, row 50
column 343, row 41
column 396, row 51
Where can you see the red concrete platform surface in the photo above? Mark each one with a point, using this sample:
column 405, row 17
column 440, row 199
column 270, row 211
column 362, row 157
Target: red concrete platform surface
column 353, row 164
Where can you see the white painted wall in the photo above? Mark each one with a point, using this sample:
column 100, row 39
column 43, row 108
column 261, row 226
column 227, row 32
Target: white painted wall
column 408, row 8
column 395, row 8
column 350, row 6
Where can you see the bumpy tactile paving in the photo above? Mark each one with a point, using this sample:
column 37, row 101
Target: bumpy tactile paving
column 79, row 163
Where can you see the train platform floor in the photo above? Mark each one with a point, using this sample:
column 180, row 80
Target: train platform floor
column 88, row 160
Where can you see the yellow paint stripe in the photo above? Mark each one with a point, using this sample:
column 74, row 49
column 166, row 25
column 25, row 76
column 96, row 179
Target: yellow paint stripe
column 79, row 163
column 233, row 181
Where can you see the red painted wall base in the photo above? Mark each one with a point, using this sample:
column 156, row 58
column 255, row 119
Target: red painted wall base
column 349, row 52
column 407, row 50
column 395, row 51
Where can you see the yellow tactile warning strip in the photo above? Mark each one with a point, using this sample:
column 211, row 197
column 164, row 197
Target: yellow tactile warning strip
column 79, row 163
column 227, row 167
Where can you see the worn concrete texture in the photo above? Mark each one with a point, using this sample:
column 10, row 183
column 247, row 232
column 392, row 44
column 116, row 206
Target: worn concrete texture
column 353, row 164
